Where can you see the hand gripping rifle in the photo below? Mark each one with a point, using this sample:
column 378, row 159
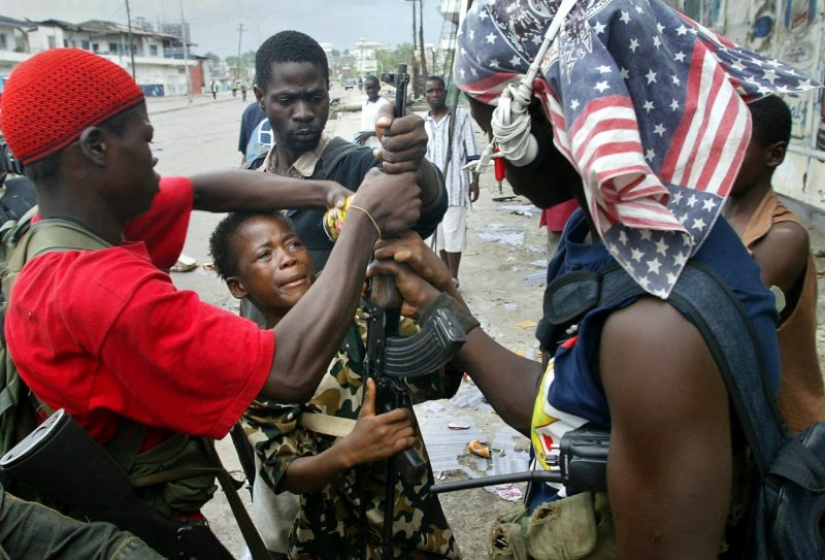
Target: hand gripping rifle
column 389, row 358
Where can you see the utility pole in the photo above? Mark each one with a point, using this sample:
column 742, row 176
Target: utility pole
column 131, row 50
column 240, row 34
column 421, row 36
column 415, row 74
column 185, row 38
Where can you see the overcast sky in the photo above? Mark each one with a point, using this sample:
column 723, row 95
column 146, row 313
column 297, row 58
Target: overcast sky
column 214, row 24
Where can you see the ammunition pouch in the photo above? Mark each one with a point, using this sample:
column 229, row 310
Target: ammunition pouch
column 579, row 527
column 179, row 494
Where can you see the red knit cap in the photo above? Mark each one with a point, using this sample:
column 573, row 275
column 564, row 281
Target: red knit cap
column 50, row 98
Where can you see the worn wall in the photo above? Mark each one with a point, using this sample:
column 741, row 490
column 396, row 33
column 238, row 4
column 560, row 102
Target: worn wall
column 791, row 30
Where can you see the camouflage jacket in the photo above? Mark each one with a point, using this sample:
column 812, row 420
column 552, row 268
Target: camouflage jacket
column 329, row 523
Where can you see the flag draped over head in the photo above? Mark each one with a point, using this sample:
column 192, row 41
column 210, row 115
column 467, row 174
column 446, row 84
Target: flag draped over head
column 649, row 106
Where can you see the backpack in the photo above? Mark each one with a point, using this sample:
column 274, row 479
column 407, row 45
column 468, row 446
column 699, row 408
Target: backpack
column 786, row 515
column 17, row 206
column 20, row 410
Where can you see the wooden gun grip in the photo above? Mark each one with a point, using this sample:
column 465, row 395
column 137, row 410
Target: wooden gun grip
column 384, row 294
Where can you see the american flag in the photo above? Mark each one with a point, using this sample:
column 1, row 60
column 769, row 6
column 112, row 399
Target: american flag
column 647, row 104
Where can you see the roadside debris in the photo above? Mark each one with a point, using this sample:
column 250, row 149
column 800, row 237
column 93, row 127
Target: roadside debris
column 185, row 263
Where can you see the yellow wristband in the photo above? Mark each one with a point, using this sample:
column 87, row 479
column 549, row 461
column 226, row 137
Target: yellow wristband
column 378, row 229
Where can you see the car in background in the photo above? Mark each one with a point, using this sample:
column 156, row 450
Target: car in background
column 350, row 83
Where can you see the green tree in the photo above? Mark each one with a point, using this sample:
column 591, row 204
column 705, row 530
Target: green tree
column 388, row 60
column 213, row 57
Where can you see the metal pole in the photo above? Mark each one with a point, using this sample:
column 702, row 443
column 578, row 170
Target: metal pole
column 421, row 36
column 240, row 34
column 131, row 50
column 185, row 40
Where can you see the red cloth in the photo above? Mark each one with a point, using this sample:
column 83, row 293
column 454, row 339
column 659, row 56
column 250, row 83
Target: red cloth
column 556, row 216
column 105, row 334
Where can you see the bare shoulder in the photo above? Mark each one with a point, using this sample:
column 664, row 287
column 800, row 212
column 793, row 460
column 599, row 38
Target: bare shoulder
column 783, row 254
column 650, row 355
column 670, row 434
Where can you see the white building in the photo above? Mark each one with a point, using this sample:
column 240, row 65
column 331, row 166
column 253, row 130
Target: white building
column 155, row 59
column 365, row 59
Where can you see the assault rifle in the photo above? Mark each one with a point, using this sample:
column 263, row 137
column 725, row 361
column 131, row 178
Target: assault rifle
column 389, row 358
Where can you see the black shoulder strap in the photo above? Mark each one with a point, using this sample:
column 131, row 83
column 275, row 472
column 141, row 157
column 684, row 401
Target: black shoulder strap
column 716, row 312
column 46, row 236
column 337, row 149
column 724, row 325
column 729, row 334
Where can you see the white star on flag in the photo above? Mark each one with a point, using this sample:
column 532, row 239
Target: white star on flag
column 653, row 266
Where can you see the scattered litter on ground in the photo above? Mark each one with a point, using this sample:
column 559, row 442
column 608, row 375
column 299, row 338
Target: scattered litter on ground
column 527, row 210
column 526, row 324
column 479, row 448
column 185, row 263
column 468, row 450
column 503, row 198
column 505, row 235
column 537, row 279
column 445, row 445
column 509, row 492
column 469, row 396
column 510, row 306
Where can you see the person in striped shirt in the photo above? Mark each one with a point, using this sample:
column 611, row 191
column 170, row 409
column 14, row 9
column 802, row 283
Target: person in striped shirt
column 451, row 144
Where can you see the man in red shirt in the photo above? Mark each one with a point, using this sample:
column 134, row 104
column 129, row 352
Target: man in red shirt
column 105, row 334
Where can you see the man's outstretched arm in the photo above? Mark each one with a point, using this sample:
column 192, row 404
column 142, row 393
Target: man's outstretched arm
column 310, row 334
